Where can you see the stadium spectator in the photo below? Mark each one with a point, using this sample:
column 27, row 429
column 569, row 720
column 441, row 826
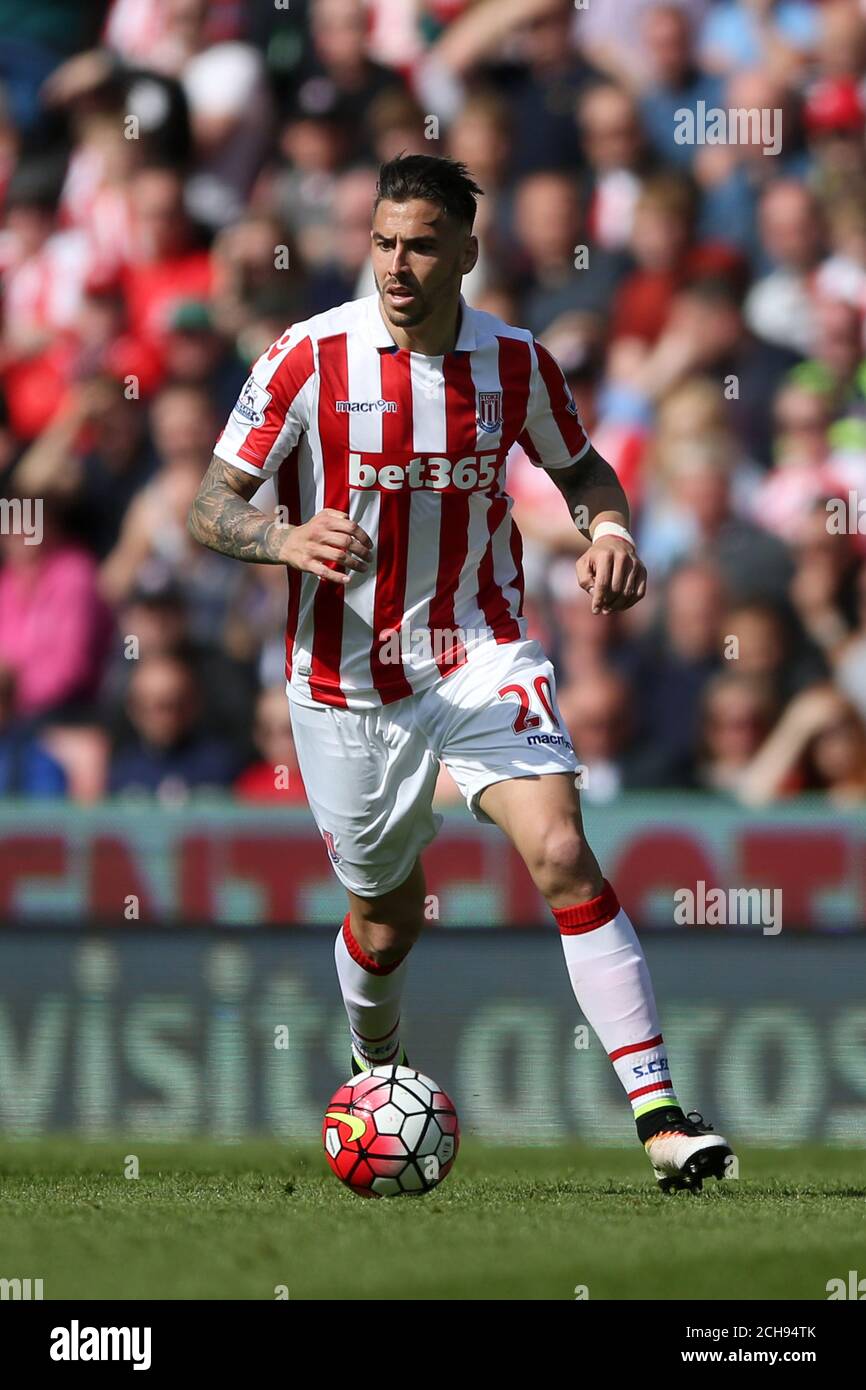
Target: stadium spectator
column 95, row 457
column 44, row 269
column 541, row 83
column 167, row 262
column 666, row 258
column 608, row 120
column 672, row 78
column 337, row 278
column 255, row 275
column 834, row 117
column 822, row 584
column 766, row 641
column 671, row 664
column 54, row 626
column 339, row 70
column 153, row 540
column 155, row 622
column 779, row 307
column 230, row 118
column 840, row 49
column 849, row 655
column 168, row 756
column 707, row 302
column 695, row 512
column 777, row 33
column 598, row 710
column 818, row 745
column 549, row 230
column 196, row 353
column 802, row 474
column 738, row 712
column 732, row 173
column 36, row 38
column 617, row 39
column 26, row 768
column 275, row 777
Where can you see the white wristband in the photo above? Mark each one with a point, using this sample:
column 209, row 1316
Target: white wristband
column 611, row 528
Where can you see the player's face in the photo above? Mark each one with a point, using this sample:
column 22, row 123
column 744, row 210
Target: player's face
column 420, row 256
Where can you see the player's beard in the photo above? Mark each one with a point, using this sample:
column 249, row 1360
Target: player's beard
column 428, row 299
column 414, row 313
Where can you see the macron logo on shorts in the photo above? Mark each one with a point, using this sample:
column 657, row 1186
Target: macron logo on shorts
column 557, row 739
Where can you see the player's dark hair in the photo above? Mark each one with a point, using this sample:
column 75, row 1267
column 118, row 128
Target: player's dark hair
column 445, row 182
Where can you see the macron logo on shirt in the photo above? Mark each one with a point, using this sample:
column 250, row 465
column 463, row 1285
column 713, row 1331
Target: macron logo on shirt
column 366, row 407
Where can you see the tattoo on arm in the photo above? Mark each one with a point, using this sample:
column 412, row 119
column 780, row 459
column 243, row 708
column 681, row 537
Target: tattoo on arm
column 592, row 484
column 223, row 518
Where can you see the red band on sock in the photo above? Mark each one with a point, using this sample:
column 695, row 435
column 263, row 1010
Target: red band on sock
column 636, row 1047
column 361, row 958
column 589, row 915
column 656, row 1086
column 377, row 1040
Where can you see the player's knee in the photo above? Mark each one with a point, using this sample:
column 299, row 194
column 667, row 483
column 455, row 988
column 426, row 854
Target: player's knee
column 562, row 865
column 388, row 926
column 388, row 942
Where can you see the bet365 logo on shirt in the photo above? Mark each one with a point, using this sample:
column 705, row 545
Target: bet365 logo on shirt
column 474, row 473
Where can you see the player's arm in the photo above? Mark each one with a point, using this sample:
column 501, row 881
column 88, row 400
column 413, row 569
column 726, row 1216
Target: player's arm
column 610, row 569
column 223, row 518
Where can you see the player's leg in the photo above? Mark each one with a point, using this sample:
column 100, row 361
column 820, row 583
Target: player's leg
column 369, row 777
column 607, row 968
column 514, row 762
column 605, row 962
column 371, row 953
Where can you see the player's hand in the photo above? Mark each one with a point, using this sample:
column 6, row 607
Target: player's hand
column 329, row 546
column 612, row 573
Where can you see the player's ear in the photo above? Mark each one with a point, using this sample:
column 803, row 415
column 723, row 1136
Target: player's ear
column 470, row 254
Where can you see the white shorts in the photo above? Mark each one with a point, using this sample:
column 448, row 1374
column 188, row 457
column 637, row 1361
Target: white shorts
column 370, row 774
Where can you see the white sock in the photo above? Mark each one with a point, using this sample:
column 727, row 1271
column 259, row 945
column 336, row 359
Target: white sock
column 371, row 994
column 611, row 982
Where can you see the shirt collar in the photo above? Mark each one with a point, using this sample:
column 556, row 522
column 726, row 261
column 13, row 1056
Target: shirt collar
column 380, row 336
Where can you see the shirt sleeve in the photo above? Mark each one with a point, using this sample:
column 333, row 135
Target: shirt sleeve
column 273, row 408
column 553, row 436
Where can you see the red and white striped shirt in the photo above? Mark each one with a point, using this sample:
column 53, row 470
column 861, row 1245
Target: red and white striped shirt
column 413, row 448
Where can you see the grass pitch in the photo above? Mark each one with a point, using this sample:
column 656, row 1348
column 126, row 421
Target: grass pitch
column 235, row 1221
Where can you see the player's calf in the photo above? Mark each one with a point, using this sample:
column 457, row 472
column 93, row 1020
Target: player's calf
column 371, row 953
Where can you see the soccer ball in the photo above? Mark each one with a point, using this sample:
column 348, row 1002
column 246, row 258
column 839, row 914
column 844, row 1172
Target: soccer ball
column 390, row 1131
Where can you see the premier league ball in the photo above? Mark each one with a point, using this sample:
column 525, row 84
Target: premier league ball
column 390, row 1131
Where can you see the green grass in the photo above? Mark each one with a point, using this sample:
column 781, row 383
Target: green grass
column 205, row 1220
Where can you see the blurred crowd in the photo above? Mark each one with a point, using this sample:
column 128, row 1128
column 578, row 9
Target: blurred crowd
column 180, row 180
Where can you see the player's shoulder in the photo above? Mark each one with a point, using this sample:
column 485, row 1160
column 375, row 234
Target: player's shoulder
column 491, row 331
column 295, row 354
column 489, row 328
column 343, row 318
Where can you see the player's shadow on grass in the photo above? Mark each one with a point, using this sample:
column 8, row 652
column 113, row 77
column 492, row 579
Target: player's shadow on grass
column 818, row 1192
column 555, row 1191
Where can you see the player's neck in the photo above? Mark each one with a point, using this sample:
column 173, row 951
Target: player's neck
column 434, row 337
